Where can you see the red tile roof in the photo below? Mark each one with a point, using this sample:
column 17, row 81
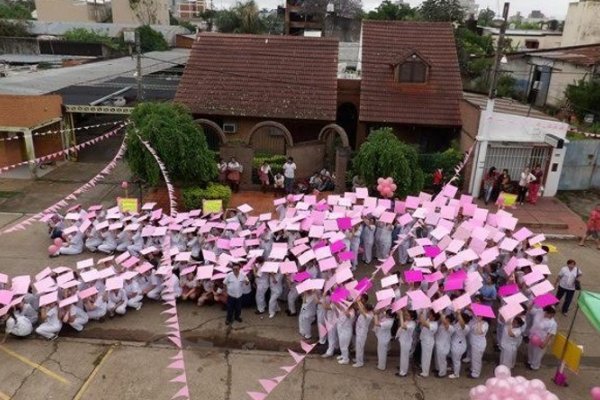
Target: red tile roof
column 382, row 99
column 261, row 76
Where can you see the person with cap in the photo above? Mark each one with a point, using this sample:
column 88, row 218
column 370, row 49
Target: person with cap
column 124, row 240
column 189, row 285
column 132, row 290
column 478, row 343
column 382, row 326
column 137, row 243
column 74, row 245
column 51, row 322
column 109, row 241
column 429, row 322
column 93, row 239
column 511, row 340
column 233, row 282
column 405, row 335
column 156, row 283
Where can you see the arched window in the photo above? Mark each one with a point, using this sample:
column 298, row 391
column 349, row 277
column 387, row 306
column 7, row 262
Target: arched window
column 412, row 70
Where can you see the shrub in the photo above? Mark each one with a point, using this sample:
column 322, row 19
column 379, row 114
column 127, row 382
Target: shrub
column 383, row 155
column 192, row 196
column 445, row 160
column 178, row 140
column 152, row 40
column 13, row 29
column 275, row 161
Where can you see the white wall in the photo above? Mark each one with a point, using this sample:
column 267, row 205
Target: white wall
column 515, row 128
column 582, row 25
column 563, row 75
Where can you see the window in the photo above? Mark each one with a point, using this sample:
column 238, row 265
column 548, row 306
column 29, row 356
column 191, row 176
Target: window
column 412, row 70
column 532, row 44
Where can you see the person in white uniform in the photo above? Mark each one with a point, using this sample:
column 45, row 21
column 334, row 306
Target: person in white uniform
column 133, row 293
column 93, row 240
column 117, row 302
column 74, row 246
column 261, row 281
column 345, row 325
column 51, row 322
column 17, row 325
column 510, row 342
column 383, row 241
column 75, row 316
column 363, row 322
column 368, row 239
column 544, row 326
column 95, row 306
column 458, row 343
column 478, row 343
column 443, row 338
column 429, row 326
column 308, row 313
column 292, row 296
column 331, row 317
column 355, row 243
column 137, row 244
column 406, row 335
column 109, row 242
column 382, row 326
column 276, row 286
column 157, row 286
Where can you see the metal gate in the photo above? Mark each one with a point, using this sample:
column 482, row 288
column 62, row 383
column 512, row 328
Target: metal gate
column 515, row 158
column 268, row 140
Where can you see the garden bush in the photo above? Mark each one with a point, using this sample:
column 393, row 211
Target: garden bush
column 445, row 160
column 192, row 196
column 275, row 161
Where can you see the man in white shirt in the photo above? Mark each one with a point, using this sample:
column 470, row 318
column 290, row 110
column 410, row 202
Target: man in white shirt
column 289, row 173
column 234, row 282
column 565, row 282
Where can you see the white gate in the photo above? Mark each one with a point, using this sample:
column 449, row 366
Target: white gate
column 514, row 158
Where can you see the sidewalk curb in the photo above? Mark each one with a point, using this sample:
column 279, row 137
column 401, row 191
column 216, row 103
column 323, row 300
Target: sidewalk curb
column 561, row 236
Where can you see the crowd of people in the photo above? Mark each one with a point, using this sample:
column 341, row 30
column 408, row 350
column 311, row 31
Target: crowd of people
column 528, row 187
column 238, row 260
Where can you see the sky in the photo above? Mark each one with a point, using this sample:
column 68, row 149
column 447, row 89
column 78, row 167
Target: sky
column 551, row 8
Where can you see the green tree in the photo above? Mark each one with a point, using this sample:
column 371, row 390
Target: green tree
column 474, row 52
column 384, row 155
column 486, row 17
column 88, row 36
column 584, row 97
column 272, row 22
column 241, row 18
column 15, row 10
column 13, row 29
column 152, row 40
column 390, row 11
column 178, row 140
column 442, row 11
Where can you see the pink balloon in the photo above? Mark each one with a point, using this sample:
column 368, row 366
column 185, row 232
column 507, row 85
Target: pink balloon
column 595, row 393
column 536, row 340
column 52, row 249
column 502, row 372
column 124, row 184
column 380, row 180
column 393, row 187
column 58, row 242
column 538, row 385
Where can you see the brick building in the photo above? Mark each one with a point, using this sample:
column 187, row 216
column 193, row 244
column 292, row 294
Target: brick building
column 20, row 118
column 307, row 98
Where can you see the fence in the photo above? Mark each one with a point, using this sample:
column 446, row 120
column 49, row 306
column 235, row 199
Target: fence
column 580, row 169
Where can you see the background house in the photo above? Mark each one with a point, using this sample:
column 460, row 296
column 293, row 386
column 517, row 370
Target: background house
column 581, row 24
column 543, row 75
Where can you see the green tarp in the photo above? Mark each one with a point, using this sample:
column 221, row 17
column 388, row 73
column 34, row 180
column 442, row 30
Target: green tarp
column 589, row 302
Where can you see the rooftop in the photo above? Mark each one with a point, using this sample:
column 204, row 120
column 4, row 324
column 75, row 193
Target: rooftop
column 383, row 99
column 587, row 55
column 52, row 80
column 286, row 77
column 506, row 106
column 522, row 32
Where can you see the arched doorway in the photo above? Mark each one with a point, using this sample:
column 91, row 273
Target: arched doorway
column 270, row 137
column 347, row 118
column 215, row 137
column 337, row 153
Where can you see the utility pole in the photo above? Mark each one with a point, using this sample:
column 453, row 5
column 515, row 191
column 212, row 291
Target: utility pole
column 486, row 116
column 138, row 51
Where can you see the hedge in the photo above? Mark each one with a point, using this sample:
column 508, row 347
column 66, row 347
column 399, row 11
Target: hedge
column 192, row 196
column 275, row 161
column 446, row 160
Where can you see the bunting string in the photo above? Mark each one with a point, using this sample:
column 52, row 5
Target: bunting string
column 64, row 152
column 56, row 131
column 82, row 189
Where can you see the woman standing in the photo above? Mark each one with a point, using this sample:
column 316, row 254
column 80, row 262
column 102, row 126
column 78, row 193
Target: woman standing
column 234, row 173
column 263, row 174
column 534, row 187
column 443, row 338
column 511, row 339
column 429, row 326
column 526, row 178
column 478, row 343
column 222, row 168
column 488, row 184
column 405, row 335
column 362, row 330
column 383, row 330
column 544, row 327
column 345, row 325
column 458, row 343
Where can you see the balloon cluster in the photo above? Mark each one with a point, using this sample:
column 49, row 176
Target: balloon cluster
column 507, row 387
column 386, row 187
column 54, row 247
